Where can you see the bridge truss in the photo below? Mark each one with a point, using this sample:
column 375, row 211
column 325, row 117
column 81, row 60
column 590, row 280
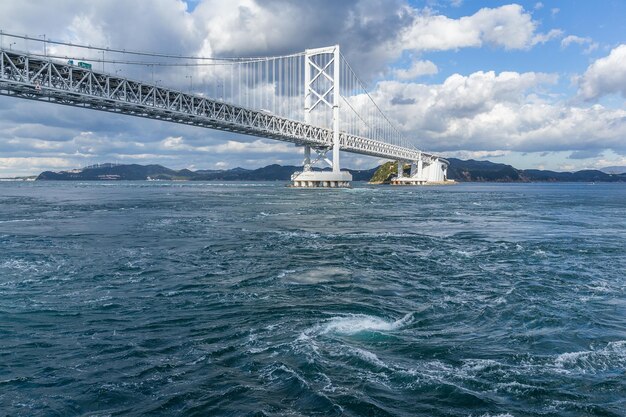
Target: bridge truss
column 36, row 78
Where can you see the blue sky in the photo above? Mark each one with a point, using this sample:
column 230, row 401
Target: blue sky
column 534, row 84
column 602, row 22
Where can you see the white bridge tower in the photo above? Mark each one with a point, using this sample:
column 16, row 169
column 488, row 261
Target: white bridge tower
column 321, row 94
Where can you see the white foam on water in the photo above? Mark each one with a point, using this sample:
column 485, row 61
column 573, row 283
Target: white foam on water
column 317, row 275
column 361, row 190
column 377, row 235
column 24, row 266
column 438, row 372
column 18, row 220
column 612, row 356
column 357, row 323
column 299, row 234
column 284, row 273
column 367, row 356
column 210, row 184
column 479, row 365
column 329, row 387
column 600, row 286
column 463, row 253
column 202, row 358
column 273, row 373
column 498, row 301
column 514, row 387
column 496, row 415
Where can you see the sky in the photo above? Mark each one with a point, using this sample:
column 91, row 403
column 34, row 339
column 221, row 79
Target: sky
column 532, row 84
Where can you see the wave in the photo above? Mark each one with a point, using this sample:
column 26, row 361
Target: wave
column 367, row 356
column 315, row 276
column 357, row 323
column 18, row 220
column 24, row 265
column 610, row 357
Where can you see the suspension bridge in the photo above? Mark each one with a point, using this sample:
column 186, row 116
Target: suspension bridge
column 313, row 99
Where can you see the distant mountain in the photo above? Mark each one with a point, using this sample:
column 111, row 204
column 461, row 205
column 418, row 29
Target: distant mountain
column 486, row 171
column 111, row 172
column 614, row 170
column 472, row 170
column 588, row 175
column 273, row 172
column 459, row 170
column 114, row 172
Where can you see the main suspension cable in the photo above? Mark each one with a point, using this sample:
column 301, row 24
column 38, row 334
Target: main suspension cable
column 139, row 53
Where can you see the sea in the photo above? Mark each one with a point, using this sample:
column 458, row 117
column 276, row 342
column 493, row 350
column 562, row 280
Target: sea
column 255, row 299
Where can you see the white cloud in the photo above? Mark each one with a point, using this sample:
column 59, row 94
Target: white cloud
column 498, row 153
column 15, row 166
column 253, row 27
column 573, row 39
column 258, row 146
column 32, row 162
column 613, row 160
column 417, row 69
column 605, row 76
column 542, row 38
column 485, row 111
column 568, row 40
column 538, row 5
column 507, row 26
column 174, row 143
column 139, row 156
column 229, row 147
column 373, row 32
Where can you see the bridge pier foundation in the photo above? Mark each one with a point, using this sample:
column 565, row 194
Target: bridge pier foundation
column 408, row 181
column 309, row 178
column 321, row 179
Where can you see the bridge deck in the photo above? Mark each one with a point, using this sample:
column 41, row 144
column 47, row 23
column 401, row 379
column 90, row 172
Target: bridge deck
column 38, row 78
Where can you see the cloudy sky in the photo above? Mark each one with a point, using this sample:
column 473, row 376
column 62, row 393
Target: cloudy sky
column 534, row 84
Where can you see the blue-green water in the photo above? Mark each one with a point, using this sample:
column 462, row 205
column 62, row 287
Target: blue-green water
column 255, row 299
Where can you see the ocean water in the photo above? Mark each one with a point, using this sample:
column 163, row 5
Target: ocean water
column 253, row 299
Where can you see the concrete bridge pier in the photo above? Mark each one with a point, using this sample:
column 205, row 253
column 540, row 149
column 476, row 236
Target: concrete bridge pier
column 414, row 177
column 435, row 172
column 320, row 179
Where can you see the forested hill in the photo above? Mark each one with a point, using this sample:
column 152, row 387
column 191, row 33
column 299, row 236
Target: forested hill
column 110, row 172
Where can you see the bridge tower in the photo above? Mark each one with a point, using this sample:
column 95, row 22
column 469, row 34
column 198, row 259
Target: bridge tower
column 321, row 99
